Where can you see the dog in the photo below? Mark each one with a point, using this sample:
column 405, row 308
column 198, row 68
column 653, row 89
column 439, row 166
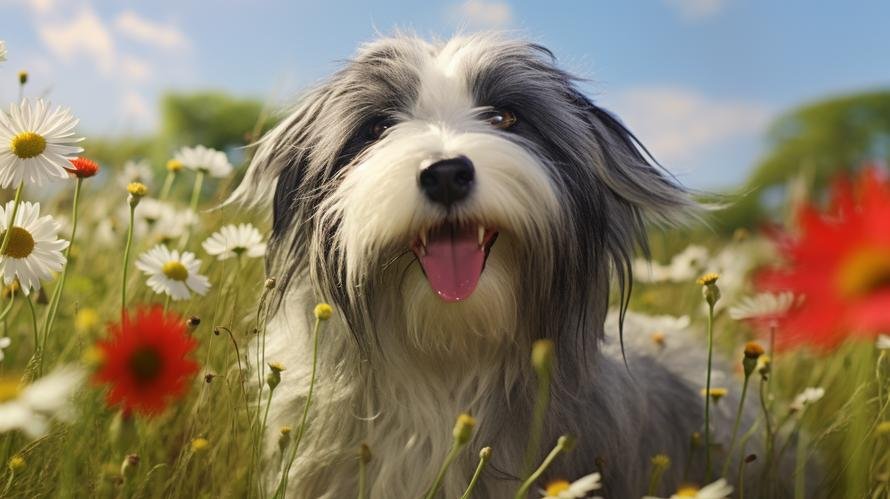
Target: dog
column 454, row 202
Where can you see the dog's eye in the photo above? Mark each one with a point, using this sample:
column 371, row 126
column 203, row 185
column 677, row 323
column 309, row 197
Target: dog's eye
column 500, row 118
column 377, row 127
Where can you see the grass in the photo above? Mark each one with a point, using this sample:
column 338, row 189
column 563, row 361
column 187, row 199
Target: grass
column 88, row 456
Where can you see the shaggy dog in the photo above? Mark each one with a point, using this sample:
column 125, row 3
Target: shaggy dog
column 455, row 202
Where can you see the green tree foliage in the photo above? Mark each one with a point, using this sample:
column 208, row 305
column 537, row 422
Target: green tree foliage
column 214, row 119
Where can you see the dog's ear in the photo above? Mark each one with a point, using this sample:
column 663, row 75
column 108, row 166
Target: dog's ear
column 281, row 154
column 627, row 168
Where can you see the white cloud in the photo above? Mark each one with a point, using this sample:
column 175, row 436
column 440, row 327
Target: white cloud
column 84, row 34
column 135, row 106
column 134, row 68
column 483, row 13
column 697, row 9
column 137, row 28
column 677, row 124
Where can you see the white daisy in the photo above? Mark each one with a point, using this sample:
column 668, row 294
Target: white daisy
column 232, row 240
column 717, row 490
column 31, row 408
column 806, row 397
column 883, row 342
column 136, row 171
column 173, row 273
column 762, row 306
column 2, row 51
column 36, row 143
column 4, row 343
column 562, row 489
column 205, row 160
column 34, row 251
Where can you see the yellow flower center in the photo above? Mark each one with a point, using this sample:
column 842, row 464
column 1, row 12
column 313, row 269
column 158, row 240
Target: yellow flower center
column 864, row 272
column 21, row 243
column 27, row 145
column 175, row 270
column 9, row 389
column 557, row 486
column 687, row 491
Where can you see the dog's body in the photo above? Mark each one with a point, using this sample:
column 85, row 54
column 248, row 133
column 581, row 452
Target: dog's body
column 455, row 202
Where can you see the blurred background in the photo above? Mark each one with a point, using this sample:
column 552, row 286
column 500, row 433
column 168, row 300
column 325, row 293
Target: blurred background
column 735, row 97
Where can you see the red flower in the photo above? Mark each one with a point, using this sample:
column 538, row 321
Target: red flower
column 83, row 167
column 145, row 361
column 840, row 264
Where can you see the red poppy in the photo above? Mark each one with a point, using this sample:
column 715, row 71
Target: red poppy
column 839, row 263
column 83, row 167
column 145, row 361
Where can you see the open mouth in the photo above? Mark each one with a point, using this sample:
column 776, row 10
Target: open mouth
column 453, row 257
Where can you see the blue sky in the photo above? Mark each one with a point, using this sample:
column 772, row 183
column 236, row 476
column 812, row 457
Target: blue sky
column 698, row 80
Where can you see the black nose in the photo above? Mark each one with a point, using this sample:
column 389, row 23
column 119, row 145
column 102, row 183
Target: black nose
column 448, row 181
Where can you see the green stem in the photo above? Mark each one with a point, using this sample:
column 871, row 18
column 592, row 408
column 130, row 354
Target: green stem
column 282, row 484
column 127, row 262
column 8, row 307
column 196, row 191
column 483, row 461
column 524, row 488
column 735, row 426
column 437, row 483
column 542, row 402
column 37, row 342
column 769, row 431
column 708, row 395
column 166, row 303
column 168, row 183
column 53, row 307
column 362, row 478
column 10, row 223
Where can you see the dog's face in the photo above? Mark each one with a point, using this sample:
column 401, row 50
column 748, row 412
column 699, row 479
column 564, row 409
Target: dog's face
column 462, row 192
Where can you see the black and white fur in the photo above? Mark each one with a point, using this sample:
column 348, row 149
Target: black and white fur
column 569, row 191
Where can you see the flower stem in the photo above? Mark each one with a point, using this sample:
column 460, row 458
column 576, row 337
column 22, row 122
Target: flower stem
column 53, row 307
column 542, row 401
column 735, row 426
column 282, row 484
column 483, row 460
column 437, row 483
column 168, row 183
column 127, row 262
column 524, row 488
column 707, row 394
column 38, row 346
column 196, row 191
column 362, row 478
column 15, row 211
column 769, row 430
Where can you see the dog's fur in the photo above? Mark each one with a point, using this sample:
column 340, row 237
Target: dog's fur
column 569, row 190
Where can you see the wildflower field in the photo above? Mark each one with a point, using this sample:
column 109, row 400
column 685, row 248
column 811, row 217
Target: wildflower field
column 131, row 297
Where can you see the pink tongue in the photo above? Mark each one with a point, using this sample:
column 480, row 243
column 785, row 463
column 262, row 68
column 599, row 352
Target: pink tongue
column 453, row 262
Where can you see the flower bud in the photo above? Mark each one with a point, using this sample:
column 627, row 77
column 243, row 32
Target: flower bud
column 710, row 291
column 137, row 191
column 199, row 444
column 128, row 467
column 193, row 322
column 566, row 442
column 273, row 379
column 283, row 438
column 174, row 165
column 16, row 463
column 753, row 351
column 364, row 453
column 23, row 77
column 323, row 311
column 270, row 283
column 485, row 453
column 463, row 428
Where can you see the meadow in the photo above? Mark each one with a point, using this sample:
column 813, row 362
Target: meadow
column 130, row 300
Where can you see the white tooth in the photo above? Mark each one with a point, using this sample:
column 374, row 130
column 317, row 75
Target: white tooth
column 423, row 239
column 481, row 234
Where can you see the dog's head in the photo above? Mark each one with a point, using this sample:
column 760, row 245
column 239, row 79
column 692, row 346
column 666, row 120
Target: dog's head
column 463, row 192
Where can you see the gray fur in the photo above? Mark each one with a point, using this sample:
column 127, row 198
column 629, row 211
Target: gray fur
column 378, row 382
